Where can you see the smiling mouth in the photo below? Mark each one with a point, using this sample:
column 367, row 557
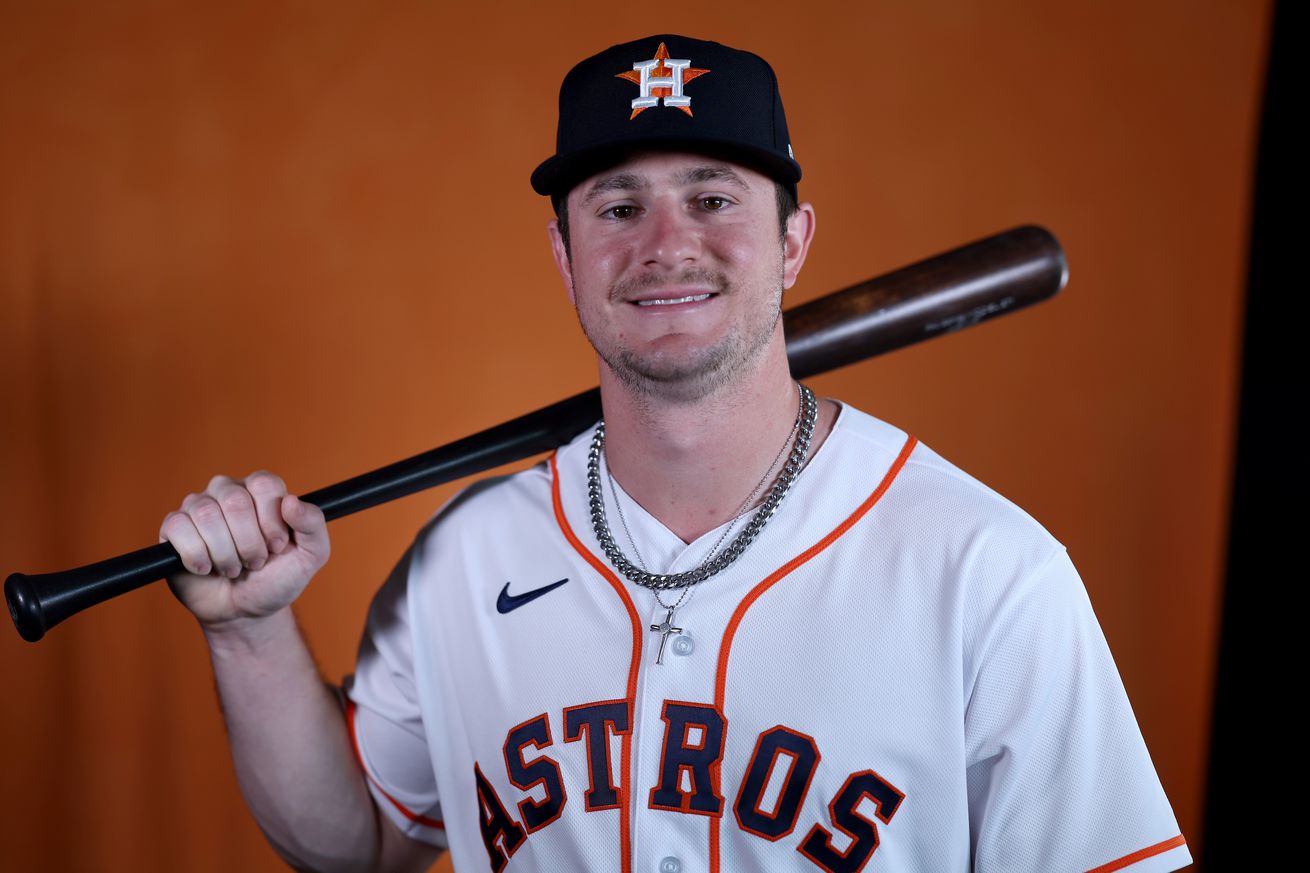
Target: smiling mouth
column 671, row 301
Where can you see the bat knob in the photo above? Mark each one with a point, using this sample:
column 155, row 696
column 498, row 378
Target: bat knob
column 24, row 608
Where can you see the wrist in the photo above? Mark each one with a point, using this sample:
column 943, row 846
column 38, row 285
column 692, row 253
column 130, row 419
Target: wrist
column 249, row 635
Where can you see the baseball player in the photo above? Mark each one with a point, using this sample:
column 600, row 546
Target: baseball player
column 731, row 627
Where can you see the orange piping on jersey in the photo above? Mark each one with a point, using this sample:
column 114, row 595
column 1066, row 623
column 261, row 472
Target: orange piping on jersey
column 721, row 673
column 405, row 811
column 625, row 784
column 1141, row 854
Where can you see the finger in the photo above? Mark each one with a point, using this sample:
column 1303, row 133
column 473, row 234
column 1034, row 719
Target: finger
column 243, row 523
column 178, row 529
column 308, row 525
column 209, row 520
column 267, row 491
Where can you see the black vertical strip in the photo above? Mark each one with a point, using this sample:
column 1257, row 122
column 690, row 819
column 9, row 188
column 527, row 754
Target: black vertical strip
column 1260, row 679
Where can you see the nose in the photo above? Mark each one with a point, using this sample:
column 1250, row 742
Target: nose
column 672, row 237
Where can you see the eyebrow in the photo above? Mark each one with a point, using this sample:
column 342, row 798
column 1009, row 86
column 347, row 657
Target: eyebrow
column 690, row 176
column 714, row 173
column 617, row 182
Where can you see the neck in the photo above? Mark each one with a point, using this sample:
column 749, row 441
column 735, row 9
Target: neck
column 691, row 463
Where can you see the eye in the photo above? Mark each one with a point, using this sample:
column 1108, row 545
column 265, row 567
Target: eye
column 712, row 203
column 622, row 211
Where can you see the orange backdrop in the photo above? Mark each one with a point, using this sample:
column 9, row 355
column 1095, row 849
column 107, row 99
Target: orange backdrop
column 300, row 236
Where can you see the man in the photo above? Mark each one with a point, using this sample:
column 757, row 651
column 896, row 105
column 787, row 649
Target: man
column 734, row 627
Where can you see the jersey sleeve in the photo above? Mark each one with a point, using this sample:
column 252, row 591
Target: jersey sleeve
column 383, row 713
column 1058, row 777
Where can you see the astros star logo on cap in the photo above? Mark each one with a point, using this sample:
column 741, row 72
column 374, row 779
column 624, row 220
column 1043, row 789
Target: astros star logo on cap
column 670, row 75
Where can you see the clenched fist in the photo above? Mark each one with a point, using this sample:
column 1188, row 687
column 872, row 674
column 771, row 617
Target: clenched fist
column 250, row 548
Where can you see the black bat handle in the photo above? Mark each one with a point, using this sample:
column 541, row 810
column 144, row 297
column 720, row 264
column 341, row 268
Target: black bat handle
column 39, row 602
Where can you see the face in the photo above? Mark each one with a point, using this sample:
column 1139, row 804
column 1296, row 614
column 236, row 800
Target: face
column 677, row 270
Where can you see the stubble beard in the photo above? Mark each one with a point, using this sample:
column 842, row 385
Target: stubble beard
column 693, row 376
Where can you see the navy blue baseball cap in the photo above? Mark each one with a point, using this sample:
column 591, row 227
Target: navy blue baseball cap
column 668, row 91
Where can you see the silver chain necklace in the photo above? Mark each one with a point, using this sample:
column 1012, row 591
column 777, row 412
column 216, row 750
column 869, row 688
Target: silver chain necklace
column 666, row 627
column 715, row 561
column 741, row 510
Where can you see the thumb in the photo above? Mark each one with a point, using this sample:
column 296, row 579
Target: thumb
column 307, row 523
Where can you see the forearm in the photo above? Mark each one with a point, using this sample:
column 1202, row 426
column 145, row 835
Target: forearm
column 291, row 747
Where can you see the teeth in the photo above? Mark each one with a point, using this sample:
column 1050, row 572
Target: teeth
column 692, row 299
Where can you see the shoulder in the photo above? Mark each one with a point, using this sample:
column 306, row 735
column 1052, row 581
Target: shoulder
column 943, row 521
column 932, row 489
column 515, row 502
column 499, row 500
column 974, row 554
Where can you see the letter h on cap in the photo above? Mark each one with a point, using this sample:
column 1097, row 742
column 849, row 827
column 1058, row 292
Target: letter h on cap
column 673, row 81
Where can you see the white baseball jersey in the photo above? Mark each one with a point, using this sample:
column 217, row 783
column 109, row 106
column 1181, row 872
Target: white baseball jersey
column 903, row 673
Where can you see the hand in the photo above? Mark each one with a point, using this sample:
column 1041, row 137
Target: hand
column 249, row 548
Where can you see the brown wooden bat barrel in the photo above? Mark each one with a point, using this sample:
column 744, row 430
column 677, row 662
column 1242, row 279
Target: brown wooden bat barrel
column 944, row 293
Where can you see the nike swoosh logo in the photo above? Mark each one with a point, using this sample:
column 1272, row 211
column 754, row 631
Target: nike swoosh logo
column 507, row 602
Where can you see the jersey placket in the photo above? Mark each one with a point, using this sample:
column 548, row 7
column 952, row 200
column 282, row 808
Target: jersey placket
column 678, row 738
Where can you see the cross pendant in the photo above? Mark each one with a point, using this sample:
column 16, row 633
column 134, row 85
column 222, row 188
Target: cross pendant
column 665, row 628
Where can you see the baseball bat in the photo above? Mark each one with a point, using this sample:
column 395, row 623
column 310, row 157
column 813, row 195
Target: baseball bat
column 942, row 294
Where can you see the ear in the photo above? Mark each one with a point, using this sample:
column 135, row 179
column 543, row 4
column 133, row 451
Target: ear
column 562, row 262
column 796, row 243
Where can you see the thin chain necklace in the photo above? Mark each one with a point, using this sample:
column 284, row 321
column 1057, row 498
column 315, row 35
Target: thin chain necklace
column 715, row 561
column 741, row 510
column 671, row 608
column 666, row 627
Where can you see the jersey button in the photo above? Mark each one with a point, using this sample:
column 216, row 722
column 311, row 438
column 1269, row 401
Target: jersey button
column 683, row 645
column 670, row 865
